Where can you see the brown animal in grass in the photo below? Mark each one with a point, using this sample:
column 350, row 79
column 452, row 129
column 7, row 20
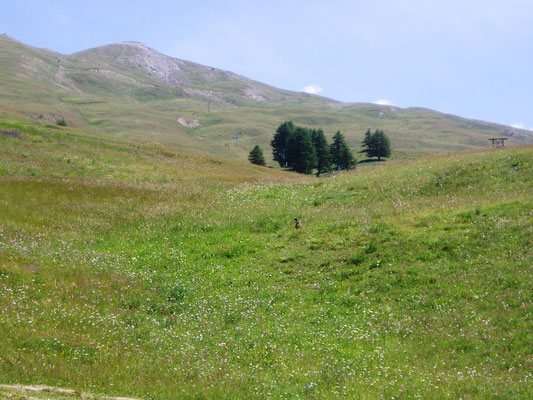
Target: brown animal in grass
column 297, row 223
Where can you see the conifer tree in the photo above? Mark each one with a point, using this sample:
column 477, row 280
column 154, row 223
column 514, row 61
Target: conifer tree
column 256, row 156
column 301, row 155
column 347, row 159
column 280, row 141
column 323, row 155
column 367, row 141
column 382, row 145
column 376, row 144
column 341, row 155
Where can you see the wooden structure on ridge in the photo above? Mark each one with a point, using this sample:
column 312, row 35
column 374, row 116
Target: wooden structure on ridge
column 498, row 142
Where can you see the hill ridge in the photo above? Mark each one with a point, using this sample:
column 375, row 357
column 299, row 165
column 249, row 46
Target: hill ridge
column 128, row 89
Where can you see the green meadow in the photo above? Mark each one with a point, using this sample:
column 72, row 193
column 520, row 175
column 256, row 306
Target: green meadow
column 142, row 271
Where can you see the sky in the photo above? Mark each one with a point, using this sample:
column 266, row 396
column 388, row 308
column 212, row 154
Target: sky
column 472, row 58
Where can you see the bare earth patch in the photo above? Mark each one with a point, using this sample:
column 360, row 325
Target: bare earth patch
column 189, row 124
column 48, row 392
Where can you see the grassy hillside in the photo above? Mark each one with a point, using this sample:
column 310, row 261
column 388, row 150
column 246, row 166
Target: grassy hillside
column 146, row 272
column 128, row 90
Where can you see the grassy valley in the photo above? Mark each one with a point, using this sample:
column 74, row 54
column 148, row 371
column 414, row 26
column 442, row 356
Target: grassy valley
column 138, row 270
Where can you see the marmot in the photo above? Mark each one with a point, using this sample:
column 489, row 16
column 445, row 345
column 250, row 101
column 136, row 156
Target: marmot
column 297, row 223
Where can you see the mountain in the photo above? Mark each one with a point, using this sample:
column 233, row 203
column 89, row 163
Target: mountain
column 131, row 91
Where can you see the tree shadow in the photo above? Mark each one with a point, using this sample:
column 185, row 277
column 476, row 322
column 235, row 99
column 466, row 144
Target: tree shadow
column 368, row 160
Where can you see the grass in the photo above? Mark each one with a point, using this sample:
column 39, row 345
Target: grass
column 146, row 272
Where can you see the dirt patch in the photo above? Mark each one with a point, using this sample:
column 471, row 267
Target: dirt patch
column 189, row 124
column 26, row 391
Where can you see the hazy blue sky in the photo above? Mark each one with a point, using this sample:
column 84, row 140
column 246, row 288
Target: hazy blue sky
column 472, row 58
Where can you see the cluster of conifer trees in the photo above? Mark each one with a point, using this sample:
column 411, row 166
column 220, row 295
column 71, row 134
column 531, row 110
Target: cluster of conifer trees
column 376, row 144
column 305, row 150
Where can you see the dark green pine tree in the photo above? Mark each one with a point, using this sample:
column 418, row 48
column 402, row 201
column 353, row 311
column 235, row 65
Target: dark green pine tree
column 301, row 155
column 381, row 145
column 323, row 156
column 347, row 159
column 341, row 155
column 279, row 142
column 256, row 156
column 367, row 142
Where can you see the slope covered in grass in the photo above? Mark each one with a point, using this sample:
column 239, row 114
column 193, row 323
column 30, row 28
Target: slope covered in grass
column 29, row 149
column 136, row 275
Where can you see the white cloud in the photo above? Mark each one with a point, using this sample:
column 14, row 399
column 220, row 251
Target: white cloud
column 520, row 125
column 312, row 89
column 383, row 102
